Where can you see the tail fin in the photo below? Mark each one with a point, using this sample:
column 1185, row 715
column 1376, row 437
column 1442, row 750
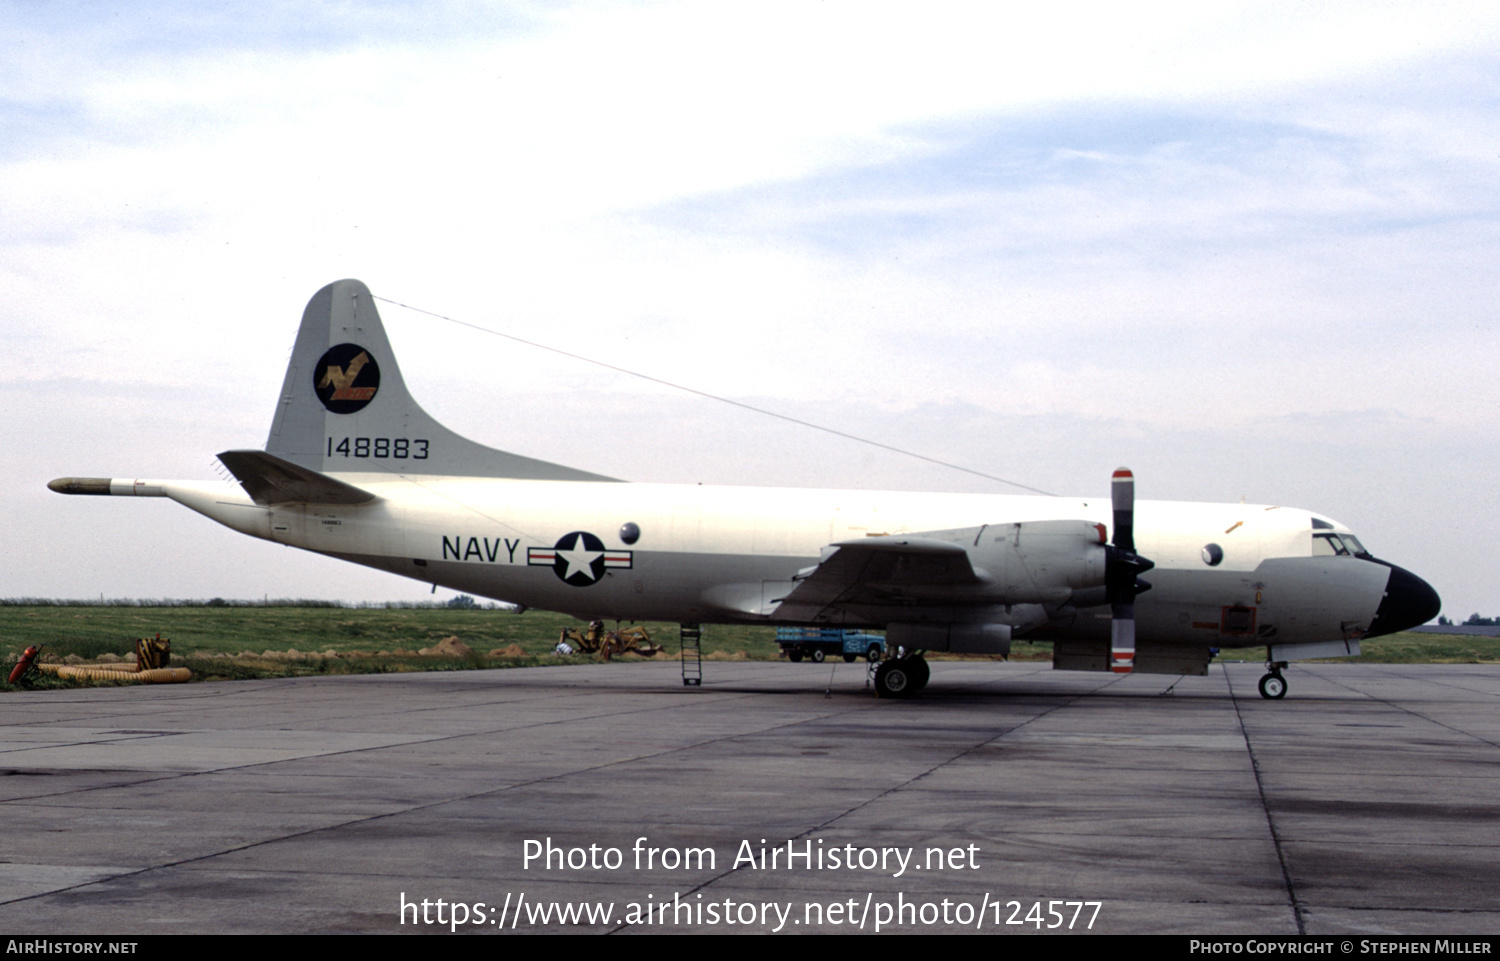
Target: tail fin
column 345, row 409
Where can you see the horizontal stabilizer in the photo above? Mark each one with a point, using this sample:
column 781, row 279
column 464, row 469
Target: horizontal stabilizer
column 270, row 480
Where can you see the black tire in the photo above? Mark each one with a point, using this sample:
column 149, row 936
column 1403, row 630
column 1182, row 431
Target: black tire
column 1273, row 687
column 894, row 679
column 794, row 655
column 873, row 654
column 818, row 656
column 921, row 673
column 850, row 658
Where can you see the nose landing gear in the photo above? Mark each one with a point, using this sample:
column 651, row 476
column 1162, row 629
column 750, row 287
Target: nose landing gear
column 1273, row 685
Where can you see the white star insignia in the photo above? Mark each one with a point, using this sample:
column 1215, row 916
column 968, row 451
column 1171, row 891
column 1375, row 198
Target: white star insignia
column 580, row 560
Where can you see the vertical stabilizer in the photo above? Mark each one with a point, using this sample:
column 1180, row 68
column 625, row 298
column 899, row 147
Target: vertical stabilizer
column 345, row 409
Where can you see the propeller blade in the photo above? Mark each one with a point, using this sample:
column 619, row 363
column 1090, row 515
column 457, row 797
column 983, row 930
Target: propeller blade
column 1122, row 638
column 1122, row 492
column 1122, row 566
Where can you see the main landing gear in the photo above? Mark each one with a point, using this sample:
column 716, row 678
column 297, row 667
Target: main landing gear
column 1273, row 685
column 902, row 676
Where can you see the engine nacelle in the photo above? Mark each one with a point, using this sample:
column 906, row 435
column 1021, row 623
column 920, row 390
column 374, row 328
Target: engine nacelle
column 954, row 638
column 1041, row 561
column 1032, row 562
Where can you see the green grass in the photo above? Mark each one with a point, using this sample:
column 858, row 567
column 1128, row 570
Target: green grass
column 1403, row 648
column 90, row 631
column 358, row 635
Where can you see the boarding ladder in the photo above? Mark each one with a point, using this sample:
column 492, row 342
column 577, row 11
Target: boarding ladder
column 692, row 655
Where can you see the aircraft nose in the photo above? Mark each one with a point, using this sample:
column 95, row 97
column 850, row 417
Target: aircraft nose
column 1408, row 601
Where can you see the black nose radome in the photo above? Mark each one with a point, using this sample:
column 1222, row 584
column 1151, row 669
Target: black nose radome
column 1409, row 601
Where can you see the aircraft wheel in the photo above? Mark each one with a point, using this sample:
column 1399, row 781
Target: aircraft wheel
column 873, row 654
column 794, row 656
column 818, row 655
column 894, row 679
column 921, row 672
column 850, row 658
column 1273, row 687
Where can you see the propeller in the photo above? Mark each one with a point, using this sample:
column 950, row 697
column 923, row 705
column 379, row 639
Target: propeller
column 1122, row 567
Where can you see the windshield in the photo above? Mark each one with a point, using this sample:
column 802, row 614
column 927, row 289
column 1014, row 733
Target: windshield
column 1325, row 544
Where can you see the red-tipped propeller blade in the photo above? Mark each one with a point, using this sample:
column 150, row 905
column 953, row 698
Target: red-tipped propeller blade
column 1122, row 493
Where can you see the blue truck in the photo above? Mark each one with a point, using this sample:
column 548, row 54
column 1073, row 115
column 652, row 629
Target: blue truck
column 820, row 643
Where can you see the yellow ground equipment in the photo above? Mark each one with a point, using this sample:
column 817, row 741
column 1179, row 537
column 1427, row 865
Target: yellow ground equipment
column 606, row 644
column 152, row 652
column 150, row 667
column 119, row 672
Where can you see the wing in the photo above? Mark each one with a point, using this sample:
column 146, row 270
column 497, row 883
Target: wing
column 876, row 570
column 937, row 574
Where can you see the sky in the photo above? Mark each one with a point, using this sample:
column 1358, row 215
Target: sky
column 1247, row 250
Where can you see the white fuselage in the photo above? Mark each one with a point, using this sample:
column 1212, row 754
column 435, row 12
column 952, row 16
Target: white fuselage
column 726, row 554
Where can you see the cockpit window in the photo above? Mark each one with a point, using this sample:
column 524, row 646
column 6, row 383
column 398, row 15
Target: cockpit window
column 1328, row 544
column 1325, row 545
column 1319, row 524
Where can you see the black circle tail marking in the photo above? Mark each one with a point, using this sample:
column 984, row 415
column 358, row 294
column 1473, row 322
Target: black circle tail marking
column 346, row 378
